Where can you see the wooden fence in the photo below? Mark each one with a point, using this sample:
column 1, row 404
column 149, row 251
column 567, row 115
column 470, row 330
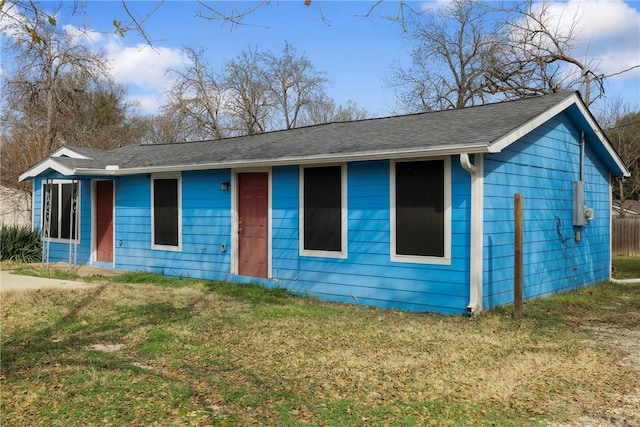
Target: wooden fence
column 625, row 236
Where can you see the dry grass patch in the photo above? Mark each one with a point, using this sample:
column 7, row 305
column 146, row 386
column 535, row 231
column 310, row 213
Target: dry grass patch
column 220, row 354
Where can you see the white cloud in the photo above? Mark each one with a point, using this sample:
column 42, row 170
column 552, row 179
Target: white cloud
column 142, row 65
column 144, row 70
column 141, row 68
column 86, row 36
column 608, row 32
column 148, row 103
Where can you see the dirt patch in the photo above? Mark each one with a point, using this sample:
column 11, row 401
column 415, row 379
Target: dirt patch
column 624, row 411
column 627, row 341
column 106, row 348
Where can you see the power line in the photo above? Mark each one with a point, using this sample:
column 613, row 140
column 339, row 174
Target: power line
column 621, row 72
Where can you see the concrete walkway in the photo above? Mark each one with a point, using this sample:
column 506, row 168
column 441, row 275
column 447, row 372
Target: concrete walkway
column 10, row 281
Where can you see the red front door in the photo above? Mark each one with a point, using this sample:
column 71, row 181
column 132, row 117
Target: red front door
column 253, row 206
column 104, row 221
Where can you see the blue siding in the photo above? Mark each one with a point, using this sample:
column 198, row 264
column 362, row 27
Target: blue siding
column 367, row 275
column 206, row 226
column 542, row 166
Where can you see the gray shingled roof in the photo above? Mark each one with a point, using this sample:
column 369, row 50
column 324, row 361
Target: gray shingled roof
column 471, row 129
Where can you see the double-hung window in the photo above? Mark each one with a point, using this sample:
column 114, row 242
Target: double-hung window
column 323, row 199
column 421, row 211
column 60, row 201
column 166, row 221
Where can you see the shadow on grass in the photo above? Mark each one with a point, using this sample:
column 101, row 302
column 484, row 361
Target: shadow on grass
column 25, row 348
column 252, row 293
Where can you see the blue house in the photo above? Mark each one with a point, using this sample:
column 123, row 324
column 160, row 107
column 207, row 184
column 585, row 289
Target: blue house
column 412, row 212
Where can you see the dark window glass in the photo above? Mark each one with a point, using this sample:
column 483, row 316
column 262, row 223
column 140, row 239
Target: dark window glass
column 68, row 218
column 322, row 208
column 61, row 216
column 420, row 208
column 53, row 213
column 165, row 211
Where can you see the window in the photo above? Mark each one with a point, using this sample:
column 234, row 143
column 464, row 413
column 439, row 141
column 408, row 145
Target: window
column 60, row 201
column 323, row 200
column 166, row 218
column 420, row 200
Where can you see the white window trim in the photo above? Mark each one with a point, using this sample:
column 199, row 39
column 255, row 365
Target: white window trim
column 178, row 248
column 417, row 259
column 343, row 215
column 78, row 213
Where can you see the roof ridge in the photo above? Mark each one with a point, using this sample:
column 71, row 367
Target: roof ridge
column 368, row 119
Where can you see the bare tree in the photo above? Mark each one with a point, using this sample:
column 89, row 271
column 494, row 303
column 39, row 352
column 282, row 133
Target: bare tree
column 15, row 206
column 248, row 94
column 56, row 92
column 255, row 92
column 35, row 89
column 165, row 128
column 325, row 110
column 292, row 83
column 196, row 100
column 459, row 60
column 452, row 47
column 621, row 122
column 95, row 113
column 539, row 56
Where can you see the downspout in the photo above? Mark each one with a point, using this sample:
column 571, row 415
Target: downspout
column 476, row 256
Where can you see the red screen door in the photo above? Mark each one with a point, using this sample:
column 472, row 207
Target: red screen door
column 104, row 221
column 253, row 205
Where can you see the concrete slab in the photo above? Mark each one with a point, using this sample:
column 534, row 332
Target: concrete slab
column 10, row 281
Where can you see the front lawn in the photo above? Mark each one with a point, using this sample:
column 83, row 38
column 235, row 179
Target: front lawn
column 190, row 352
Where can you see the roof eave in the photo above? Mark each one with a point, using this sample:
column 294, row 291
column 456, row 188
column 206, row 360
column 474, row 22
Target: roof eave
column 49, row 163
column 298, row 160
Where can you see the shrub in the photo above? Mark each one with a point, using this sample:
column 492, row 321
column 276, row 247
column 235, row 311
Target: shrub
column 20, row 244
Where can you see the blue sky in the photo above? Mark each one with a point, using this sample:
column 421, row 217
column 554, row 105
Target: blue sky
column 355, row 52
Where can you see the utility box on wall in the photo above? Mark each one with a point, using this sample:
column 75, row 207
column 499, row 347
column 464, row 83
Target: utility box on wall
column 579, row 217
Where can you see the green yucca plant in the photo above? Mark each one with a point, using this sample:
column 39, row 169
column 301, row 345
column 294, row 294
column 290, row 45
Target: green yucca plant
column 20, row 244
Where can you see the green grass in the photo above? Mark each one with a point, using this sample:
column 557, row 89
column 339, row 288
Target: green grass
column 213, row 353
column 626, row 268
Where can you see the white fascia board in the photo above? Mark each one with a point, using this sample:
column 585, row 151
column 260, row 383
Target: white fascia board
column 518, row 133
column 574, row 99
column 338, row 158
column 68, row 152
column 43, row 166
column 603, row 138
